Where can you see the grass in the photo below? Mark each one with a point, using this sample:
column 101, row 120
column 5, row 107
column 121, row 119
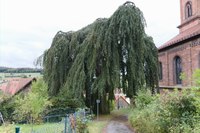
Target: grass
column 29, row 75
column 24, row 128
column 94, row 127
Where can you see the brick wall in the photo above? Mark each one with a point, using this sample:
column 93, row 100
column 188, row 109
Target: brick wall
column 189, row 55
column 195, row 9
column 195, row 13
column 188, row 50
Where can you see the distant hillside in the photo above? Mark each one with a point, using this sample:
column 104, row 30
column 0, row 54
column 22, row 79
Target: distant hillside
column 19, row 70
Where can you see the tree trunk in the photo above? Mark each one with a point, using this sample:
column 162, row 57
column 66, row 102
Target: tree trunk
column 104, row 104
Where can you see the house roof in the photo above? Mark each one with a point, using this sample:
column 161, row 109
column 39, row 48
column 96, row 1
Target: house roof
column 191, row 32
column 122, row 97
column 16, row 84
column 3, row 86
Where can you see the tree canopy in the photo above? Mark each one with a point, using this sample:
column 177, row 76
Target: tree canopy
column 116, row 49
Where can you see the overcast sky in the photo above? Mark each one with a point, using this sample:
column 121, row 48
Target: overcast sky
column 28, row 26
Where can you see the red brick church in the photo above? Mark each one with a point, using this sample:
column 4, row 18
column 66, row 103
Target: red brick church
column 182, row 53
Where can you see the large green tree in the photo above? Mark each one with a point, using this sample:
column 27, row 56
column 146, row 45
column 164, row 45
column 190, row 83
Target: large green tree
column 115, row 48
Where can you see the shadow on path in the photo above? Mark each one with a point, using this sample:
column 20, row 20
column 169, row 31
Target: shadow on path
column 118, row 125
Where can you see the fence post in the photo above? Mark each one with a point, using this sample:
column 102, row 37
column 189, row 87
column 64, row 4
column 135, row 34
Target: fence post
column 47, row 119
column 65, row 123
column 17, row 129
column 57, row 114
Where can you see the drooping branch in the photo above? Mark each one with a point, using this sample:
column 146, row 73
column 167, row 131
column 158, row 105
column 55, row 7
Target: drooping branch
column 116, row 48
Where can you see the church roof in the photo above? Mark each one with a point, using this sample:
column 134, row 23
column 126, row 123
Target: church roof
column 191, row 32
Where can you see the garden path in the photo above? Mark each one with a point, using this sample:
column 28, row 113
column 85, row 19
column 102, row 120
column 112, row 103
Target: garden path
column 118, row 125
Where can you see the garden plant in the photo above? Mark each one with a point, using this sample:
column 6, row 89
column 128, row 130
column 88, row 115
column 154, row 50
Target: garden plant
column 177, row 112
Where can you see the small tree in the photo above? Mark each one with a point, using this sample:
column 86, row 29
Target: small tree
column 32, row 105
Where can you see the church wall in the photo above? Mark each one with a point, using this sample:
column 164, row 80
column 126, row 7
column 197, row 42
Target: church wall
column 189, row 25
column 186, row 46
column 189, row 54
column 163, row 59
column 195, row 54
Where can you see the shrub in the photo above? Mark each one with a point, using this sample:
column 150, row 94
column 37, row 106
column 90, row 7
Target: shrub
column 112, row 105
column 174, row 112
column 23, row 76
column 144, row 120
column 81, row 123
column 143, row 98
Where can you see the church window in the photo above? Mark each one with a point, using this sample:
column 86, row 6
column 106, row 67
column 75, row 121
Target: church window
column 160, row 71
column 178, row 70
column 188, row 9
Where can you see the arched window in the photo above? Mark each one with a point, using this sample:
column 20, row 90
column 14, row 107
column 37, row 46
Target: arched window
column 178, row 70
column 188, row 9
column 160, row 71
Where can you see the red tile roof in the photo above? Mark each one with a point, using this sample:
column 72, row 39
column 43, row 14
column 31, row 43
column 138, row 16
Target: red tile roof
column 16, row 84
column 191, row 32
column 3, row 86
column 122, row 97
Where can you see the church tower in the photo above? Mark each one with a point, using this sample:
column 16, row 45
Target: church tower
column 181, row 54
column 190, row 14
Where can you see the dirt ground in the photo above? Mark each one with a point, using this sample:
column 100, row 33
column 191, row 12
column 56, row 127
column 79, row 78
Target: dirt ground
column 118, row 125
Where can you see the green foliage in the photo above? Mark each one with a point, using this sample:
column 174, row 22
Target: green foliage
column 7, row 103
column 115, row 48
column 173, row 112
column 64, row 100
column 176, row 114
column 112, row 105
column 32, row 105
column 144, row 120
column 178, row 109
column 81, row 123
column 143, row 98
column 23, row 76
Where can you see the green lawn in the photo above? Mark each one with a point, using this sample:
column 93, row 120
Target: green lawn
column 25, row 128
column 94, row 127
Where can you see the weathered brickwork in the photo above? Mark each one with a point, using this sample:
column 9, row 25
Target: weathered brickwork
column 189, row 24
column 195, row 9
column 185, row 45
column 189, row 54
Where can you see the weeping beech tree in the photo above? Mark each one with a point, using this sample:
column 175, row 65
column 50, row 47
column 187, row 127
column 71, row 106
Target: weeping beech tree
column 116, row 49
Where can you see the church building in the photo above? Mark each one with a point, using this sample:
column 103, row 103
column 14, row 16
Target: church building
column 181, row 54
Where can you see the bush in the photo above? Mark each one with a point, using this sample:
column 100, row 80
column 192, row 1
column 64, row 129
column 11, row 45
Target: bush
column 81, row 123
column 164, row 115
column 144, row 120
column 143, row 98
column 112, row 105
column 174, row 112
column 23, row 76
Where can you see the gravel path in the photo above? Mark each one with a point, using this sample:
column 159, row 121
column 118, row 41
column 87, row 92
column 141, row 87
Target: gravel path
column 118, row 125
